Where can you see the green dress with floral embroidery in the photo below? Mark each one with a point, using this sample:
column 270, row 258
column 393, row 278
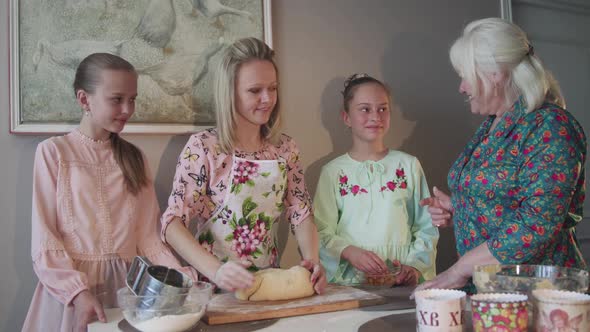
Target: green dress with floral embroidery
column 374, row 205
column 520, row 188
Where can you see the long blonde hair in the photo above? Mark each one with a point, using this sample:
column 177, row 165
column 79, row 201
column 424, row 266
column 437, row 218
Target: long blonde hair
column 236, row 54
column 496, row 45
column 128, row 156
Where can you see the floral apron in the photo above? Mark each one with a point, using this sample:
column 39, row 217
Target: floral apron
column 241, row 229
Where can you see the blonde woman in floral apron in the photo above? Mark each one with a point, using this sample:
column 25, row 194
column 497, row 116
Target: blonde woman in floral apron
column 233, row 182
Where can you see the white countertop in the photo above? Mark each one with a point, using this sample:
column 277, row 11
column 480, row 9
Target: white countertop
column 397, row 302
column 339, row 321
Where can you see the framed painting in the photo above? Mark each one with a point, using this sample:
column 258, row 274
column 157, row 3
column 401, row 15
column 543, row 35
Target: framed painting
column 173, row 44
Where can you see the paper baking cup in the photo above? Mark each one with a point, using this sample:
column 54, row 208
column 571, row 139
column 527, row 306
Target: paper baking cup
column 561, row 310
column 440, row 310
column 499, row 312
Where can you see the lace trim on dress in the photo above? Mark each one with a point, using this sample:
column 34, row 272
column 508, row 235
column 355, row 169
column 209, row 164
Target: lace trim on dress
column 90, row 141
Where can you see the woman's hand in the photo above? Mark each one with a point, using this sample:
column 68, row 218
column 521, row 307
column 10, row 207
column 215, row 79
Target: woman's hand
column 364, row 260
column 318, row 275
column 86, row 310
column 440, row 208
column 458, row 274
column 232, row 276
column 451, row 278
column 408, row 276
column 306, row 234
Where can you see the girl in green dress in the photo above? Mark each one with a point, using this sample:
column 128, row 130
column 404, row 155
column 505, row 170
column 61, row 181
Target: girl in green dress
column 367, row 201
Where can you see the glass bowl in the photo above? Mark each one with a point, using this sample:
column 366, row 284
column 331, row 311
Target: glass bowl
column 385, row 279
column 526, row 278
column 184, row 315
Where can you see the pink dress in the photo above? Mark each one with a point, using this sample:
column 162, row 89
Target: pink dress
column 86, row 228
column 231, row 202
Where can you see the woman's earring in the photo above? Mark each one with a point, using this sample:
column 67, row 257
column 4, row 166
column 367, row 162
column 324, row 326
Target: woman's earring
column 87, row 112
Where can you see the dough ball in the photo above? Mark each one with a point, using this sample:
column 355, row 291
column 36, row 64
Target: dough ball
column 278, row 284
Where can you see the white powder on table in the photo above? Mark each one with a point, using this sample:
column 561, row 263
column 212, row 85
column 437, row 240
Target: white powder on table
column 169, row 323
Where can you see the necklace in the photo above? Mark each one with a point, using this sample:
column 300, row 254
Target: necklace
column 90, row 138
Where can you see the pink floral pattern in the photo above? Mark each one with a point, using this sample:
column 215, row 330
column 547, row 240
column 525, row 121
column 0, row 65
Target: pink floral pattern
column 202, row 179
column 346, row 188
column 244, row 174
column 245, row 171
column 250, row 233
column 400, row 181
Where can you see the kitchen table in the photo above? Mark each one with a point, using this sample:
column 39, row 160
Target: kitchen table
column 348, row 320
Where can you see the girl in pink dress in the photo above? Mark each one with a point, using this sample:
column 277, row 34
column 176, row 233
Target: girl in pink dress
column 94, row 205
column 233, row 182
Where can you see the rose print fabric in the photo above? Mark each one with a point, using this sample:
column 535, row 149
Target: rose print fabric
column 374, row 206
column 241, row 229
column 521, row 189
column 205, row 180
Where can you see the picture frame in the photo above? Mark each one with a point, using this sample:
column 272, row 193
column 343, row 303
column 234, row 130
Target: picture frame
column 173, row 44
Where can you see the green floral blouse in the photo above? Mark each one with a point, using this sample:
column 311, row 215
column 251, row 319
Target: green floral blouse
column 374, row 205
column 520, row 188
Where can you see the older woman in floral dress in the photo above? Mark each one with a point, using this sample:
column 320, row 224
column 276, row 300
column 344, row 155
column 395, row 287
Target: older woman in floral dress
column 517, row 190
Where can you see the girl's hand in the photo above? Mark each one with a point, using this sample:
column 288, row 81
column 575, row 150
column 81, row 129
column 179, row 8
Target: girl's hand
column 86, row 310
column 408, row 276
column 364, row 260
column 232, row 276
column 318, row 275
column 440, row 208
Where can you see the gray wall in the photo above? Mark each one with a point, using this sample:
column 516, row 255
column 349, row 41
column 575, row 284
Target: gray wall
column 318, row 43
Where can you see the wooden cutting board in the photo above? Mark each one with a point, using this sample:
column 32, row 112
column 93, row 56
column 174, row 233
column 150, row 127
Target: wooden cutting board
column 225, row 308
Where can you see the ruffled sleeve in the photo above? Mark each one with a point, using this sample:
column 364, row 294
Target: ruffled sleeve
column 51, row 262
column 297, row 200
column 189, row 198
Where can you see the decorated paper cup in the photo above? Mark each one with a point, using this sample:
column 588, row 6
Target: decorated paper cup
column 499, row 312
column 557, row 310
column 440, row 310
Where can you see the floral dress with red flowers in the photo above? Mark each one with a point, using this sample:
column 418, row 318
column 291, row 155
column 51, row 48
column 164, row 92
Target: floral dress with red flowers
column 374, row 205
column 520, row 188
column 232, row 202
